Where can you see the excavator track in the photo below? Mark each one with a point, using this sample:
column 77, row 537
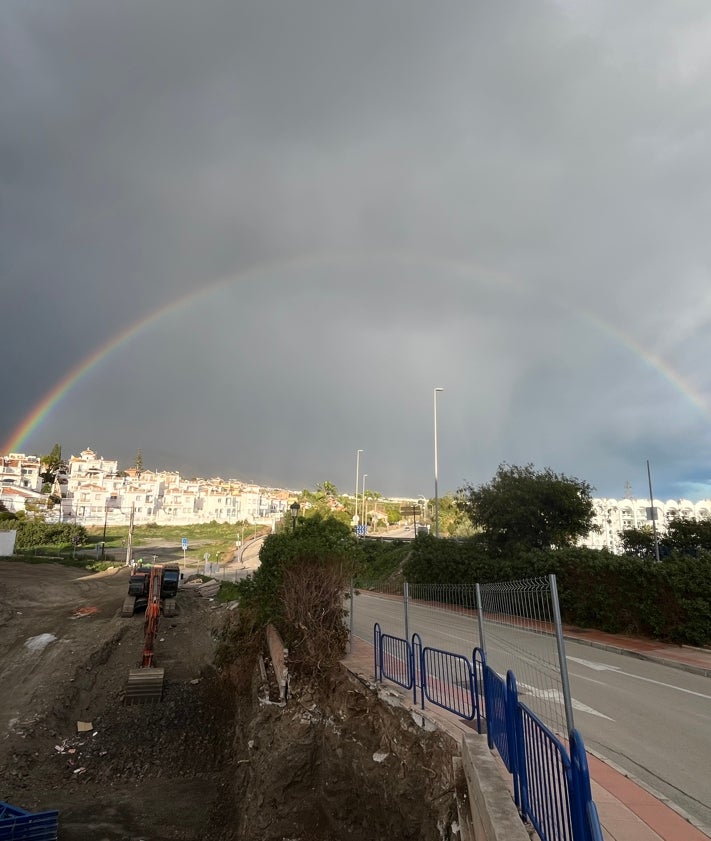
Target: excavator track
column 169, row 607
column 145, row 686
column 129, row 605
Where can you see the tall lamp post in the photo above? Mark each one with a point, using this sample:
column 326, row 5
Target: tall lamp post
column 365, row 476
column 436, row 498
column 294, row 508
column 355, row 510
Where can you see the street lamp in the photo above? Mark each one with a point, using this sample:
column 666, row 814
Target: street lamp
column 435, row 463
column 294, row 508
column 355, row 510
column 365, row 476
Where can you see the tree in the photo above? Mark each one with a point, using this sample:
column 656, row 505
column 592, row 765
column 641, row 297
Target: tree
column 327, row 488
column 638, row 542
column 315, row 541
column 138, row 463
column 688, row 536
column 452, row 520
column 521, row 508
column 51, row 464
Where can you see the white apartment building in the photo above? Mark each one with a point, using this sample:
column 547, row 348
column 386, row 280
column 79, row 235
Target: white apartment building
column 94, row 492
column 21, row 484
column 613, row 516
column 21, row 471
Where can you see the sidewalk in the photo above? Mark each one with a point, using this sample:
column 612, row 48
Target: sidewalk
column 628, row 812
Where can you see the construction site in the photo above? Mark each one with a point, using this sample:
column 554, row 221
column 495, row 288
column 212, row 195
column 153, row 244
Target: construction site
column 113, row 714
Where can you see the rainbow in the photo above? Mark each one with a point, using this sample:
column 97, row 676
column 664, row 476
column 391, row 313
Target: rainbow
column 656, row 363
column 41, row 410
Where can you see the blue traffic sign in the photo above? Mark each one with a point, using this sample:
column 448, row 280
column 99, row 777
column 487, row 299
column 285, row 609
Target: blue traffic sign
column 185, row 543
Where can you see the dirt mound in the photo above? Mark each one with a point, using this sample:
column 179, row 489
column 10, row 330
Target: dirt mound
column 336, row 763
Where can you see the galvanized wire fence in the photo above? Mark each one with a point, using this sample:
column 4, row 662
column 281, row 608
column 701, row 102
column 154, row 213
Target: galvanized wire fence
column 520, row 630
column 517, row 625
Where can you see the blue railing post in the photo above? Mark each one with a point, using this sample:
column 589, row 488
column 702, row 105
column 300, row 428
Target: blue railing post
column 377, row 653
column 417, row 669
column 490, row 701
column 515, row 739
column 478, row 665
column 586, row 823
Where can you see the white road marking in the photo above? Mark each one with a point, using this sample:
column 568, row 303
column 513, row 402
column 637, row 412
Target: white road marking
column 602, row 667
column 556, row 696
column 591, row 664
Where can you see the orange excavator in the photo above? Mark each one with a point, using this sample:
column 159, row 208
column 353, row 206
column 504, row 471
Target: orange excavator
column 145, row 684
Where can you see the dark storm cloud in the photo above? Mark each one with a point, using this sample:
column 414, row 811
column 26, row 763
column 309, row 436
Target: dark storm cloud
column 406, row 195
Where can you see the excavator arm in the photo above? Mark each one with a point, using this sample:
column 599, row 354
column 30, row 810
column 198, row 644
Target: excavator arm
column 145, row 685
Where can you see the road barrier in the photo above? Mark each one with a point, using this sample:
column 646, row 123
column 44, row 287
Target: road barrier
column 551, row 789
column 18, row 824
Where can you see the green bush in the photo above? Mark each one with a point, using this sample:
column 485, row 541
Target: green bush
column 315, row 541
column 33, row 532
column 669, row 601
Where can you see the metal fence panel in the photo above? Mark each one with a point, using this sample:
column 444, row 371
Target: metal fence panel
column 20, row 825
column 551, row 787
column 448, row 681
column 545, row 778
column 516, row 628
column 496, row 718
column 519, row 619
column 396, row 660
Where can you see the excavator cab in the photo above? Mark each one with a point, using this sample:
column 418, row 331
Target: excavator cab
column 139, row 585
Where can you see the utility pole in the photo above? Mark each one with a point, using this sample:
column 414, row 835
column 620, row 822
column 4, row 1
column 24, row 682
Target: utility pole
column 129, row 542
column 653, row 512
column 103, row 540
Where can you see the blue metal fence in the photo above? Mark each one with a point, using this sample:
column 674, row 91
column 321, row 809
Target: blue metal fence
column 448, row 681
column 497, row 730
column 551, row 785
column 394, row 658
column 544, row 772
column 20, row 825
column 584, row 805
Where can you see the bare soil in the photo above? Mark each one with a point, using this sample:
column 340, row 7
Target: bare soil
column 140, row 772
column 208, row 762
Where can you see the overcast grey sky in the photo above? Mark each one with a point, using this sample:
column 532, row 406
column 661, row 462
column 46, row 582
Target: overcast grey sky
column 321, row 210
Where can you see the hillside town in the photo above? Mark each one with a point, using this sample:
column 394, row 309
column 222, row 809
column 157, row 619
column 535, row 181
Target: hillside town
column 92, row 491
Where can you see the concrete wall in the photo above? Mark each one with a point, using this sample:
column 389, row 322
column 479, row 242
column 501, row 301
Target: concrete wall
column 494, row 816
column 7, row 543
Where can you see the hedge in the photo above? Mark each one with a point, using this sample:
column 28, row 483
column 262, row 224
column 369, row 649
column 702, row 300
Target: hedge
column 669, row 601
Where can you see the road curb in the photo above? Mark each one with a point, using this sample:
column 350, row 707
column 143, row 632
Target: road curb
column 640, row 655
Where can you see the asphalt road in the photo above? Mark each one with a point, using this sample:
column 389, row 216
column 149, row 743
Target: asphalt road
column 652, row 720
